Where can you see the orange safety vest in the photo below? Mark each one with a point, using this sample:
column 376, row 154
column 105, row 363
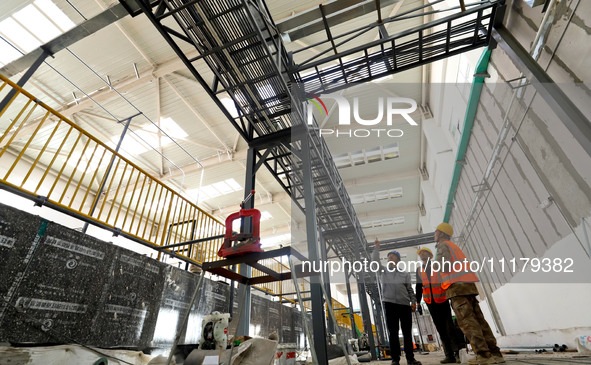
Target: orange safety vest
column 463, row 275
column 432, row 286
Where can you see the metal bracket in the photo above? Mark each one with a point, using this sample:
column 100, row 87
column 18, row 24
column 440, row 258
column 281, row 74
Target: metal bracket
column 480, row 187
column 484, row 74
column 40, row 200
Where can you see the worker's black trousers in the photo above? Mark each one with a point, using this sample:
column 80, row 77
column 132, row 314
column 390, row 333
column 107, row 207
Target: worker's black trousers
column 399, row 314
column 441, row 314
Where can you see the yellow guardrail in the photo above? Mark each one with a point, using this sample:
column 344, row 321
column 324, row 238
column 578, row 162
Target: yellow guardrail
column 343, row 318
column 47, row 157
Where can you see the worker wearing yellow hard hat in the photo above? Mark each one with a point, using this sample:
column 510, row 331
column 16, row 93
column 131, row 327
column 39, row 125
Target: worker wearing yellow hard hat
column 460, row 288
column 425, row 249
column 429, row 288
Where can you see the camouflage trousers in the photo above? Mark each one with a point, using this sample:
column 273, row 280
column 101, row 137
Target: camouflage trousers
column 475, row 328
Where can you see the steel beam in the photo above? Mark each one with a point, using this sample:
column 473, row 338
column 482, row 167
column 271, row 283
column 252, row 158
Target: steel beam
column 410, row 241
column 337, row 12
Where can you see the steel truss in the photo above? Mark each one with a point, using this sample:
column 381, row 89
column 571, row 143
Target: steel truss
column 245, row 60
column 240, row 44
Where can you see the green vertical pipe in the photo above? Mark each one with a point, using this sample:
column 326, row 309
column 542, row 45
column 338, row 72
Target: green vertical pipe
column 473, row 101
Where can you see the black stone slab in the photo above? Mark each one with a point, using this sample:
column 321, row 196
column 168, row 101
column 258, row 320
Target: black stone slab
column 287, row 334
column 298, row 328
column 70, row 287
column 17, row 242
column 274, row 313
column 214, row 298
column 258, row 316
column 58, row 296
column 176, row 295
column 129, row 301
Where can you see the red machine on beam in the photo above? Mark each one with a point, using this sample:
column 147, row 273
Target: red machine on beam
column 236, row 244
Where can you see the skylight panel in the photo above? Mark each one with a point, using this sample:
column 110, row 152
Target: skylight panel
column 275, row 240
column 54, row 13
column 382, row 195
column 230, row 106
column 18, row 35
column 7, row 53
column 209, row 192
column 31, row 26
column 37, row 23
column 357, row 199
column 342, row 161
column 168, row 125
column 396, row 193
column 233, row 184
column 217, row 189
column 358, row 158
column 172, row 128
column 265, row 215
column 223, row 187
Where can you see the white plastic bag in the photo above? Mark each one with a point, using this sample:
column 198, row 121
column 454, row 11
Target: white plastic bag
column 584, row 345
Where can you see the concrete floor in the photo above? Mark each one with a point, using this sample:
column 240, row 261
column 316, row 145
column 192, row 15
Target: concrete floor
column 433, row 358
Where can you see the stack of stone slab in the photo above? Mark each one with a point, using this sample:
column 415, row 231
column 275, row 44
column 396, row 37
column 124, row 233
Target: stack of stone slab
column 60, row 286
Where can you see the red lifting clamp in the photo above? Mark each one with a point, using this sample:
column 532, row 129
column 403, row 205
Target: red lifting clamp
column 236, row 244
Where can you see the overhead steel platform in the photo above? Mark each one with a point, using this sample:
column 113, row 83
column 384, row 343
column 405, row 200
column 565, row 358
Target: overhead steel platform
column 342, row 65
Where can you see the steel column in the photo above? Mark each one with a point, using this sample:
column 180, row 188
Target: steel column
column 351, row 313
column 378, row 315
column 318, row 317
column 245, row 270
column 326, row 280
column 366, row 317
